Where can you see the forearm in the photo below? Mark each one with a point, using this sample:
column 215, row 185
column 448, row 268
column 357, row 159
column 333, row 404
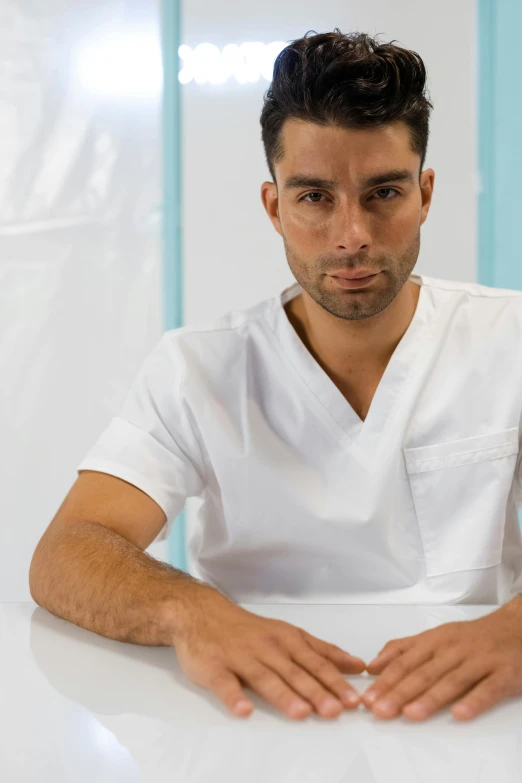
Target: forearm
column 95, row 578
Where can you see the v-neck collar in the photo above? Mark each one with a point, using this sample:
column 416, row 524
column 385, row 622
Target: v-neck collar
column 324, row 389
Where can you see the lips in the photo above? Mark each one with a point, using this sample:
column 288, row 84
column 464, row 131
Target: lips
column 355, row 283
column 354, row 274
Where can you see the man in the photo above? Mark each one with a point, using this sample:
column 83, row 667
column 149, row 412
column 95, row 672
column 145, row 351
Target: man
column 353, row 439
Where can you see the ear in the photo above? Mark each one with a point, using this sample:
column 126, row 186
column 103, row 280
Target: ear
column 270, row 200
column 427, row 181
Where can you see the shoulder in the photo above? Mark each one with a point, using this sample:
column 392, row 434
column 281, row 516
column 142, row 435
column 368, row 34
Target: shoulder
column 213, row 346
column 475, row 290
column 476, row 301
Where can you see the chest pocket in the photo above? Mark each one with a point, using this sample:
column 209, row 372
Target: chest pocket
column 460, row 490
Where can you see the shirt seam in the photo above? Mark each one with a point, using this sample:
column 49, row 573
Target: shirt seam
column 205, row 460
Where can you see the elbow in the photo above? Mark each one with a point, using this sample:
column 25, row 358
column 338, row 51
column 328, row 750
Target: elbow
column 36, row 570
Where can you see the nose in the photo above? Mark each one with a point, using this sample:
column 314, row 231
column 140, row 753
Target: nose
column 351, row 228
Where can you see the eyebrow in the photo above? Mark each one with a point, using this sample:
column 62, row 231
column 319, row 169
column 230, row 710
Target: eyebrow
column 305, row 181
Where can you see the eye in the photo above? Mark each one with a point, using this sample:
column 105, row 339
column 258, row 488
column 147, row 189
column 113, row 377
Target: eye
column 311, row 194
column 387, row 190
column 392, row 193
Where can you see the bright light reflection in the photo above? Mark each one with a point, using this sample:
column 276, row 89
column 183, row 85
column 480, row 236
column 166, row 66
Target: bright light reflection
column 124, row 64
column 121, row 64
column 246, row 62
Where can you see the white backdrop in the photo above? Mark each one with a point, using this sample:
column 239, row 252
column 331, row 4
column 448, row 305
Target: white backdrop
column 80, row 251
column 80, row 258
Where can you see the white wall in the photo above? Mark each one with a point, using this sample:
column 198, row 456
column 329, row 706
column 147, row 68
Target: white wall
column 232, row 255
column 81, row 301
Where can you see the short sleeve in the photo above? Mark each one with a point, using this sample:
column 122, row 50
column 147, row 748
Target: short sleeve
column 151, row 443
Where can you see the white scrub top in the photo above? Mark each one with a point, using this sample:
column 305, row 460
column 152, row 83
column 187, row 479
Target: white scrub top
column 301, row 500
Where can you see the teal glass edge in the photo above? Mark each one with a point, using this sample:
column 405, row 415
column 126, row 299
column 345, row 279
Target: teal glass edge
column 503, row 151
column 172, row 213
column 499, row 133
column 486, row 143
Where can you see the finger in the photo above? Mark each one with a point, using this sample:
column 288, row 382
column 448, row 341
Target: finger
column 304, row 684
column 416, row 683
column 317, row 679
column 490, row 691
column 454, row 684
column 383, row 659
column 395, row 671
column 273, row 689
column 227, row 687
column 346, row 663
column 390, row 651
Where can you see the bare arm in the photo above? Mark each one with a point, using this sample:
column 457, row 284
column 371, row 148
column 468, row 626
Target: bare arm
column 95, row 574
column 90, row 568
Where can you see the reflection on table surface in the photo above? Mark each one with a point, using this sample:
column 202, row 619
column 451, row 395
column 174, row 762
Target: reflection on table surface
column 78, row 707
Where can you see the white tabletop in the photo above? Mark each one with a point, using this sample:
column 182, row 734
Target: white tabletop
column 76, row 707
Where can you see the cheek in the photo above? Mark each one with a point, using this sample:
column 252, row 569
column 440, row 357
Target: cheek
column 307, row 227
column 397, row 228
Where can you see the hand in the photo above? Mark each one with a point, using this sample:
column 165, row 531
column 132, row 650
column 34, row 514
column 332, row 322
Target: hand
column 480, row 660
column 227, row 647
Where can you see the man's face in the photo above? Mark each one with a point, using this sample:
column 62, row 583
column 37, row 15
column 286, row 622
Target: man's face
column 345, row 222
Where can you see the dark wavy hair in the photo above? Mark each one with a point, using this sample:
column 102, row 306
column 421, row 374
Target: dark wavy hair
column 347, row 80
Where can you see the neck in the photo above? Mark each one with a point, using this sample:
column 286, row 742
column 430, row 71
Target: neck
column 338, row 344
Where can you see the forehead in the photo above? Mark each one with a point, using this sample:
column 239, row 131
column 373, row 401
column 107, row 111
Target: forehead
column 337, row 152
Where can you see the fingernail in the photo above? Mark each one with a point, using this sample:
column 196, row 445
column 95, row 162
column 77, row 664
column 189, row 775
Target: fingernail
column 299, row 708
column 417, row 709
column 463, row 709
column 330, row 705
column 385, row 705
column 351, row 698
column 370, row 696
column 242, row 706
